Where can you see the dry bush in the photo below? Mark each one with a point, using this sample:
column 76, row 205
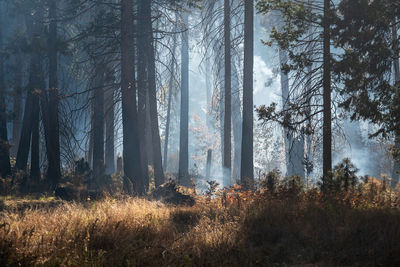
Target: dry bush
column 286, row 225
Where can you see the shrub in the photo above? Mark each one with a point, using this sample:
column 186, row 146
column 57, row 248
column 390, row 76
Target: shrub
column 270, row 180
column 342, row 178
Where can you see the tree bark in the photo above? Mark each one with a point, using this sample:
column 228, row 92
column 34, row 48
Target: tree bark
column 148, row 46
column 155, row 131
column 288, row 135
column 5, row 168
column 36, row 80
column 17, row 105
column 148, row 131
column 183, row 176
column 97, row 87
column 309, row 155
column 109, row 117
column 98, row 123
column 26, row 133
column 294, row 146
column 30, row 126
column 227, row 164
column 220, row 76
column 247, row 165
column 142, row 94
column 171, row 87
column 131, row 148
column 53, row 133
column 237, row 125
column 208, row 165
column 327, row 126
column 208, row 95
column 396, row 165
column 35, row 148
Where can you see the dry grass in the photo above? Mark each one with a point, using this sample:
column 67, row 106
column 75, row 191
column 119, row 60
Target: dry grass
column 237, row 228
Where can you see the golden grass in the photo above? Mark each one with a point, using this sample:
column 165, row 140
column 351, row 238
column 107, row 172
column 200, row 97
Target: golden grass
column 238, row 228
column 132, row 231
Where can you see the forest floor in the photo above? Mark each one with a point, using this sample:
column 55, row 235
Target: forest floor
column 234, row 227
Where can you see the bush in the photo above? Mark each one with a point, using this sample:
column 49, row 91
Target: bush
column 270, row 180
column 343, row 178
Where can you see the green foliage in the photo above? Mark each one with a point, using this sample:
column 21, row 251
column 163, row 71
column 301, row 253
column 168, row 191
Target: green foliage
column 361, row 32
column 297, row 34
column 270, row 180
column 365, row 66
column 292, row 184
column 342, row 179
column 289, row 186
column 297, row 19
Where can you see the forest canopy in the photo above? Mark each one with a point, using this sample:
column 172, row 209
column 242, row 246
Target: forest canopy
column 199, row 132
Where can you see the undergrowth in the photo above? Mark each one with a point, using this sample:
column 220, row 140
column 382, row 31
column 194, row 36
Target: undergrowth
column 278, row 223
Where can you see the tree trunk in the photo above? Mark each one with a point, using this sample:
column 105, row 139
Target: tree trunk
column 30, row 125
column 109, row 116
column 228, row 94
column 90, row 148
column 98, row 123
column 131, row 148
column 309, row 157
column 208, row 165
column 247, row 168
column 154, row 155
column 294, row 146
column 26, row 133
column 17, row 103
column 288, row 135
column 171, row 87
column 237, row 125
column 36, row 81
column 53, row 133
column 148, row 132
column 183, row 176
column 35, row 149
column 208, row 95
column 97, row 87
column 396, row 166
column 327, row 126
column 142, row 94
column 5, row 168
column 152, row 93
column 220, row 76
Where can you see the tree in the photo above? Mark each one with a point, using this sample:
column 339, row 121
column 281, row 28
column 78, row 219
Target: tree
column 213, row 30
column 171, row 87
column 366, row 65
column 5, row 168
column 131, row 146
column 309, row 61
column 145, row 10
column 327, row 121
column 53, row 132
column 109, row 119
column 247, row 168
column 228, row 92
column 183, row 176
column 29, row 140
column 396, row 167
column 236, row 123
column 98, row 101
column 17, row 98
column 292, row 140
column 142, row 92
